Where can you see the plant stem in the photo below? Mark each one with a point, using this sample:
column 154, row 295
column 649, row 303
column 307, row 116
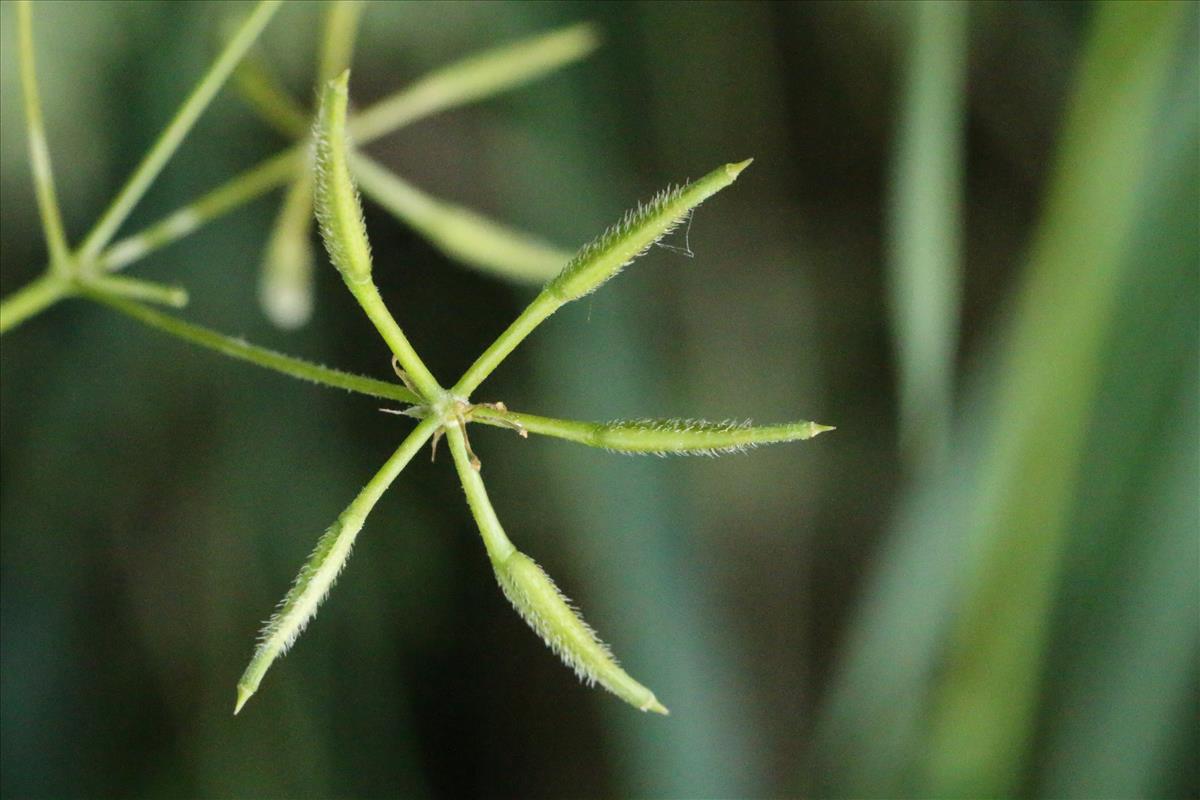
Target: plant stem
column 380, row 119
column 256, row 181
column 459, row 232
column 253, row 354
column 170, row 139
column 32, row 298
column 538, row 600
column 372, row 304
column 137, row 289
column 475, row 78
column 498, row 545
column 337, row 45
column 322, row 568
column 260, row 90
column 534, row 314
column 39, row 151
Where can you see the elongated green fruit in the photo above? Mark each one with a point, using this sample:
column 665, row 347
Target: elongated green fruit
column 538, row 600
column 603, row 257
column 300, row 604
column 339, row 211
column 318, row 574
column 285, row 287
column 600, row 260
column 661, row 437
column 540, row 603
column 478, row 77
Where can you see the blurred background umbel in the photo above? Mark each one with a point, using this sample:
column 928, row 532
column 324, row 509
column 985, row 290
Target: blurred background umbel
column 1011, row 612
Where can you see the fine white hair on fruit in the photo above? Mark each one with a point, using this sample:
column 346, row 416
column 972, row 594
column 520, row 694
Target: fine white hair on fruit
column 557, row 621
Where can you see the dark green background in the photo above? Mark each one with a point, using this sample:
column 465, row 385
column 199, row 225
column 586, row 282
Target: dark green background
column 157, row 499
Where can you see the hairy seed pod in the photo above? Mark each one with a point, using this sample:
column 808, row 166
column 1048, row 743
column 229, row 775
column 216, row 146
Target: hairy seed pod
column 604, row 257
column 540, row 603
column 339, row 212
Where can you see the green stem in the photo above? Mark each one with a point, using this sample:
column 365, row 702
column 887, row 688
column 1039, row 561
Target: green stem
column 32, row 298
column 380, row 119
column 322, row 568
column 261, row 91
column 39, row 151
column 459, row 232
column 538, row 599
column 534, row 314
column 475, row 78
column 170, row 139
column 337, row 45
column 137, row 289
column 241, row 189
column 253, row 354
column 372, row 304
column 498, row 545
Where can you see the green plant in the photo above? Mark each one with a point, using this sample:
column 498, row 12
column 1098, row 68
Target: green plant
column 84, row 272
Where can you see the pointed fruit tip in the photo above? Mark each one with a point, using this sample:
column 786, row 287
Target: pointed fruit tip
column 657, row 707
column 819, row 428
column 244, row 694
column 736, row 169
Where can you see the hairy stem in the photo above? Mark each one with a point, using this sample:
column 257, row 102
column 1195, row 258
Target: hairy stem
column 253, row 354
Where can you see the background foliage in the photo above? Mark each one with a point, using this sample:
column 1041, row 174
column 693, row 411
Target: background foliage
column 1014, row 614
